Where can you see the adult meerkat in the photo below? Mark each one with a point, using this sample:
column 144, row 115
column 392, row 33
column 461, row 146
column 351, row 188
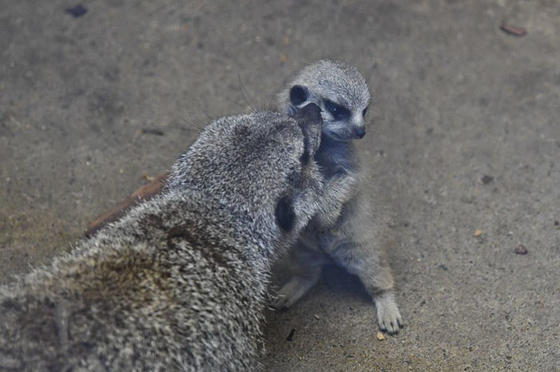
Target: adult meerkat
column 179, row 282
column 348, row 237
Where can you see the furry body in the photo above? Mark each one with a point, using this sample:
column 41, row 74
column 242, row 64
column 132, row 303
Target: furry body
column 179, row 282
column 351, row 234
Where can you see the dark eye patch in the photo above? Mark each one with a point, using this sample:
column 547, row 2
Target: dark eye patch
column 365, row 111
column 285, row 214
column 337, row 111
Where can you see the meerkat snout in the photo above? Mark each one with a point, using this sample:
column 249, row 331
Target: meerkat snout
column 359, row 132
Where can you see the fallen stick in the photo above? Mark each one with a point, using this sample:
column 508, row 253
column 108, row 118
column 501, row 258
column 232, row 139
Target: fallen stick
column 145, row 192
column 513, row 30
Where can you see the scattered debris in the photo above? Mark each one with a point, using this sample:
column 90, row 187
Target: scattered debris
column 486, row 179
column 521, row 249
column 380, row 336
column 513, row 30
column 316, row 316
column 556, row 223
column 477, row 233
column 291, row 335
column 443, row 267
column 283, row 58
column 147, row 177
column 155, row 132
column 76, row 11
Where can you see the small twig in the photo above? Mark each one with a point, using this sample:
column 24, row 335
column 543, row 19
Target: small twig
column 154, row 131
column 513, row 30
column 145, row 192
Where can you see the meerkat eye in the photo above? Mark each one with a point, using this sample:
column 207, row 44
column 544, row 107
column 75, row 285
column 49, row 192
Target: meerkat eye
column 298, row 95
column 365, row 112
column 337, row 111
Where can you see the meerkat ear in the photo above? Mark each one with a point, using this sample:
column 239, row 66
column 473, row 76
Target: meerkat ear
column 298, row 95
column 285, row 214
column 310, row 121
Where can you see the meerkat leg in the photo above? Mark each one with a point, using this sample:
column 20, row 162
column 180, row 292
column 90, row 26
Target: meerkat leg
column 306, row 261
column 363, row 261
column 296, row 287
column 306, row 268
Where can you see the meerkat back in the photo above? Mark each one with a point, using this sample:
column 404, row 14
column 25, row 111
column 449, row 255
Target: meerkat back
column 178, row 283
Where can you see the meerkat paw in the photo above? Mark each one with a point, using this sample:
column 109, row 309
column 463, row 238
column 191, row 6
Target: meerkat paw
column 293, row 290
column 388, row 315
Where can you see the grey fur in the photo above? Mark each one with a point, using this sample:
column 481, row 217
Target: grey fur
column 351, row 234
column 179, row 282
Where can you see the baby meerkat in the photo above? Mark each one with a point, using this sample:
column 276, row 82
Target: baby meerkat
column 179, row 282
column 349, row 234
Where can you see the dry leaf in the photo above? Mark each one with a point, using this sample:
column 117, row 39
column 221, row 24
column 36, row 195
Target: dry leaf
column 147, row 177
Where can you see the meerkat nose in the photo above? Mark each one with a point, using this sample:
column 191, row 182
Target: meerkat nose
column 360, row 132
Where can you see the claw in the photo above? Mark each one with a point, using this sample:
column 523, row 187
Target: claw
column 388, row 315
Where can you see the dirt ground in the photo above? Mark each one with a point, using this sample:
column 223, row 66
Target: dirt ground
column 464, row 135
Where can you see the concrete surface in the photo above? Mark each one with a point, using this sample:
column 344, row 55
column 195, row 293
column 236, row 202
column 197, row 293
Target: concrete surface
column 455, row 99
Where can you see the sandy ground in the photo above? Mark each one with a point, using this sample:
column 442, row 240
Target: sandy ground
column 464, row 135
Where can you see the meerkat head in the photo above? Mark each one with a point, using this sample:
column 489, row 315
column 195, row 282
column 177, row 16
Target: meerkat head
column 339, row 90
column 255, row 166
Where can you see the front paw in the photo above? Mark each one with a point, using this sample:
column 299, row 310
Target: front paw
column 388, row 315
column 282, row 300
column 292, row 291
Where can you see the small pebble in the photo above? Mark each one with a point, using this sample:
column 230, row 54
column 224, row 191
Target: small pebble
column 477, row 233
column 521, row 249
column 77, row 11
column 486, row 179
column 380, row 336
